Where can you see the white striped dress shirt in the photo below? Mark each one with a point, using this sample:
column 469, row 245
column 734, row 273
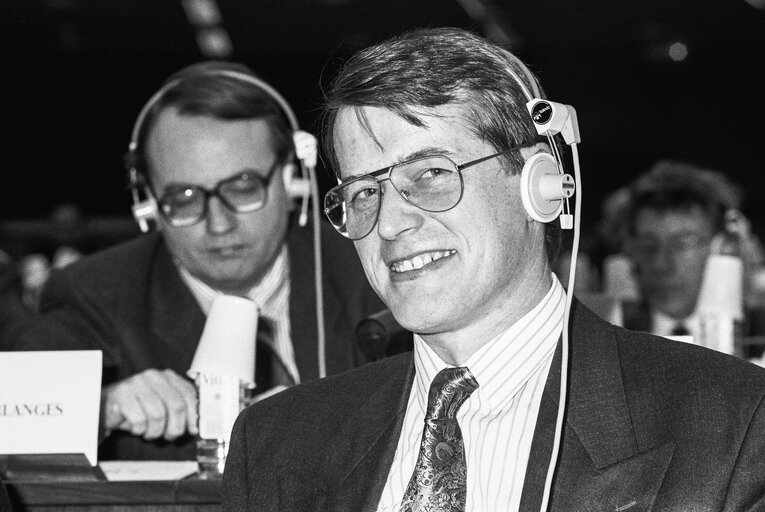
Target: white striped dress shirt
column 498, row 419
column 271, row 295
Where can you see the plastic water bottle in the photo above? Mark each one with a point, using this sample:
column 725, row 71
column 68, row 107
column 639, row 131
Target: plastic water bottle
column 221, row 398
column 721, row 300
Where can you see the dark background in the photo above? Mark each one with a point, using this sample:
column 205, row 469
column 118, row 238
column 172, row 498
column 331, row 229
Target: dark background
column 76, row 73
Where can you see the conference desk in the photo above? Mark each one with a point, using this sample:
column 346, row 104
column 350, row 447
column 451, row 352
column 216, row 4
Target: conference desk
column 189, row 494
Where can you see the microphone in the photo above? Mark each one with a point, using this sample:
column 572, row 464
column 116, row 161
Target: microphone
column 379, row 334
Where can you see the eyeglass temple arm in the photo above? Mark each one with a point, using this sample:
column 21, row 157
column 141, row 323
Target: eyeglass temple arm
column 495, row 155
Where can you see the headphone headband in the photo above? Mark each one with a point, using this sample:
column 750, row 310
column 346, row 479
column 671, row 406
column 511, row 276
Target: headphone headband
column 530, row 95
column 236, row 75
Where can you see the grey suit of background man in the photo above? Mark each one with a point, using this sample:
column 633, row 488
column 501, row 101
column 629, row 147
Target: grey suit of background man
column 460, row 260
column 215, row 152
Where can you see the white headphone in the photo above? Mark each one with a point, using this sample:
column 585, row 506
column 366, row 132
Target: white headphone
column 544, row 184
column 297, row 187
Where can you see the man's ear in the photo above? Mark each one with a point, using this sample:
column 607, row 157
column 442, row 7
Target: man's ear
column 539, row 147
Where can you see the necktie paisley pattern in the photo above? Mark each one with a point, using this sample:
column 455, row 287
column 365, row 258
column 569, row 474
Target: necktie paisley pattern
column 439, row 479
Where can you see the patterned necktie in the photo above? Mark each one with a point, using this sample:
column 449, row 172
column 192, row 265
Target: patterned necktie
column 438, row 482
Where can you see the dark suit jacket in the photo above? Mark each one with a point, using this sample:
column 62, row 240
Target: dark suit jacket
column 15, row 316
column 130, row 302
column 649, row 426
column 5, row 500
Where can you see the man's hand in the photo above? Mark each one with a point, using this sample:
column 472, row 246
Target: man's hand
column 151, row 404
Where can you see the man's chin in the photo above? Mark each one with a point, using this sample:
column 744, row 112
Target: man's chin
column 230, row 282
column 420, row 320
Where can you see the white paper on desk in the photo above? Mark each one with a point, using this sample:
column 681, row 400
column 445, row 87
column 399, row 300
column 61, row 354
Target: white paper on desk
column 49, row 402
column 117, row 470
column 684, row 338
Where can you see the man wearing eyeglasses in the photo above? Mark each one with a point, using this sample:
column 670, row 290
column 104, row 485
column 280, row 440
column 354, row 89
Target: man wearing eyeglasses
column 215, row 152
column 428, row 133
column 670, row 216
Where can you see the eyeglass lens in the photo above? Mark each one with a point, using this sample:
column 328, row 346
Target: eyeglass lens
column 184, row 205
column 433, row 184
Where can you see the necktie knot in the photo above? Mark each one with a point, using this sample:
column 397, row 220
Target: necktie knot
column 680, row 329
column 448, row 391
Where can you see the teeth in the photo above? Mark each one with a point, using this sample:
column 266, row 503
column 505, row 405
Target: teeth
column 420, row 261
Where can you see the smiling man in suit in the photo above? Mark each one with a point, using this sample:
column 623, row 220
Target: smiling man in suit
column 432, row 144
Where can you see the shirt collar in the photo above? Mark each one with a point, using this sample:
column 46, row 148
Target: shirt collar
column 663, row 324
column 504, row 364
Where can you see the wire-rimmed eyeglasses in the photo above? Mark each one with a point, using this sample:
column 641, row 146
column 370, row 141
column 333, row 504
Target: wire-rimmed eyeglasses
column 432, row 183
column 183, row 204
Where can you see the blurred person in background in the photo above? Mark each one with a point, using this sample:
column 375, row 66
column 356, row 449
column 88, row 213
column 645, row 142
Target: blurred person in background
column 668, row 219
column 214, row 155
column 15, row 315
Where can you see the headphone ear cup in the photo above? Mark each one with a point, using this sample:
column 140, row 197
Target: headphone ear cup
column 543, row 187
column 296, row 187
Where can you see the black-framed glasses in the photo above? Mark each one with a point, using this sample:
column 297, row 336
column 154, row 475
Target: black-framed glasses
column 183, row 204
column 432, row 183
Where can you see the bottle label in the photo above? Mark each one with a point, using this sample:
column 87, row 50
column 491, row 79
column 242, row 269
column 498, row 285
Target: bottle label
column 218, row 405
column 719, row 332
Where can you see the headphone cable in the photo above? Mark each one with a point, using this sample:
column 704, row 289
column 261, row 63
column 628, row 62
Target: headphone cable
column 563, row 396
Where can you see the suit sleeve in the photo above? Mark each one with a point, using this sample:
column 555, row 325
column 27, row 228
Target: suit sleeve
column 250, row 479
column 234, row 491
column 66, row 320
column 746, row 491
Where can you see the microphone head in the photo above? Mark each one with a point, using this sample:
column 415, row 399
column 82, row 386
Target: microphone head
column 375, row 333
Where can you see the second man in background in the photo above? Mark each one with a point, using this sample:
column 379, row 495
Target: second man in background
column 215, row 151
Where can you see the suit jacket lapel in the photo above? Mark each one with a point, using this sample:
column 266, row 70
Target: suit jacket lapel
column 303, row 303
column 303, row 313
column 363, row 487
column 176, row 320
column 601, row 461
column 637, row 316
column 541, row 445
column 367, row 449
column 158, row 321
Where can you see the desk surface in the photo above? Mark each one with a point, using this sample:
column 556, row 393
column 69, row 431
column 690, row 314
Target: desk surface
column 105, row 495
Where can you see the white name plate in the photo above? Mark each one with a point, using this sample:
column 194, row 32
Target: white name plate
column 49, row 402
